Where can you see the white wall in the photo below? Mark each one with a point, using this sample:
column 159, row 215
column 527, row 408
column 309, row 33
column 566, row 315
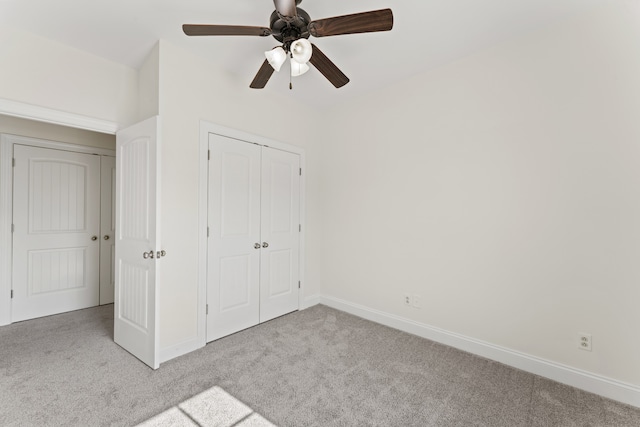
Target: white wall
column 149, row 85
column 191, row 89
column 502, row 189
column 48, row 74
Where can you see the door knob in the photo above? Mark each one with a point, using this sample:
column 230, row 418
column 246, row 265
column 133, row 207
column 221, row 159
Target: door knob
column 265, row 245
column 106, row 237
column 94, row 238
column 256, row 246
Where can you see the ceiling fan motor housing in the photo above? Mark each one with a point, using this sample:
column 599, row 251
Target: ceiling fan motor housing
column 288, row 30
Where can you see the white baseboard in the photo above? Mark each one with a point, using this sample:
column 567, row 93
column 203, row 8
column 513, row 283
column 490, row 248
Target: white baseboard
column 597, row 384
column 310, row 301
column 181, row 349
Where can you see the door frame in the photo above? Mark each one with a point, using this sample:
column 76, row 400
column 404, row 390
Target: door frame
column 7, row 141
column 37, row 113
column 207, row 128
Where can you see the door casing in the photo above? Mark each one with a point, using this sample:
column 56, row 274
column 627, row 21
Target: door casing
column 10, row 107
column 6, row 204
column 207, row 128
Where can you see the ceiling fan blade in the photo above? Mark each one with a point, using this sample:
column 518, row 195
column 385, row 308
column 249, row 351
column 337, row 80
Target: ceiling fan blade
column 328, row 68
column 365, row 22
column 224, row 30
column 263, row 76
column 286, row 7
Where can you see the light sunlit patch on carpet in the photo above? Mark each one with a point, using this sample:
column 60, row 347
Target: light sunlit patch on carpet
column 213, row 407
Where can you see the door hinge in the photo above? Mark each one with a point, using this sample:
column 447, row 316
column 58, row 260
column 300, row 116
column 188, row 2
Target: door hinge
column 299, row 227
column 298, row 284
column 11, row 293
column 208, row 154
column 207, row 309
column 13, row 228
column 13, row 162
column 207, row 231
column 300, row 171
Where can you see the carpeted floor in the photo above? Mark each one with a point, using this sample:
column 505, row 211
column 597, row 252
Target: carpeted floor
column 318, row 367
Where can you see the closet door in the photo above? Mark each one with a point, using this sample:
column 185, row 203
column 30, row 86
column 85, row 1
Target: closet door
column 137, row 236
column 280, row 232
column 57, row 223
column 234, row 243
column 107, row 228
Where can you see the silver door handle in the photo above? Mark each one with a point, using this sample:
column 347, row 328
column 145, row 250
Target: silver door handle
column 147, row 255
column 106, row 237
column 265, row 245
column 94, row 238
column 160, row 254
column 256, row 246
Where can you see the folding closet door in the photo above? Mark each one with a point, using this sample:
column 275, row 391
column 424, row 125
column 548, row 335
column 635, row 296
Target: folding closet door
column 254, row 232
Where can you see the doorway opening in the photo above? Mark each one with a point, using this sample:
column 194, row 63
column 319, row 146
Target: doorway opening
column 51, row 193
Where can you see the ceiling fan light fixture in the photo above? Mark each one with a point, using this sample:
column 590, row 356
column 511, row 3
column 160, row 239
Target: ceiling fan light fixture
column 301, row 51
column 276, row 57
column 298, row 69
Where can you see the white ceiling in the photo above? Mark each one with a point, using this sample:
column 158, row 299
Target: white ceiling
column 426, row 34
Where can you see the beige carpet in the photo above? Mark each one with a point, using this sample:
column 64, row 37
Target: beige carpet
column 318, row 367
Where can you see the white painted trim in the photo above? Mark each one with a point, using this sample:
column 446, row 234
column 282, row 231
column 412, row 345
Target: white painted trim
column 205, row 129
column 48, row 115
column 41, row 114
column 64, row 146
column 181, row 349
column 303, row 233
column 6, row 205
column 203, row 175
column 593, row 383
column 310, row 301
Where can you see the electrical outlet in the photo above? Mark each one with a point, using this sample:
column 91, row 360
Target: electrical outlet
column 584, row 341
column 407, row 299
column 415, row 301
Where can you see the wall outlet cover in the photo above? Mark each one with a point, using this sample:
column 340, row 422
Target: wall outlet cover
column 584, row 341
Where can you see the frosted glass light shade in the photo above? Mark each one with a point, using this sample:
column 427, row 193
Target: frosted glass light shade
column 276, row 57
column 298, row 69
column 301, row 51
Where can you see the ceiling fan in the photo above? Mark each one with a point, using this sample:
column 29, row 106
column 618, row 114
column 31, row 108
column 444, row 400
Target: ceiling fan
column 292, row 26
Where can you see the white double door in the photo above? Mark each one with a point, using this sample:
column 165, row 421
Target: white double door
column 254, row 239
column 63, row 228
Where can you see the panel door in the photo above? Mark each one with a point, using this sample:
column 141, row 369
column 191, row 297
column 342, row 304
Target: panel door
column 280, row 222
column 107, row 228
column 137, row 186
column 234, row 239
column 57, row 221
